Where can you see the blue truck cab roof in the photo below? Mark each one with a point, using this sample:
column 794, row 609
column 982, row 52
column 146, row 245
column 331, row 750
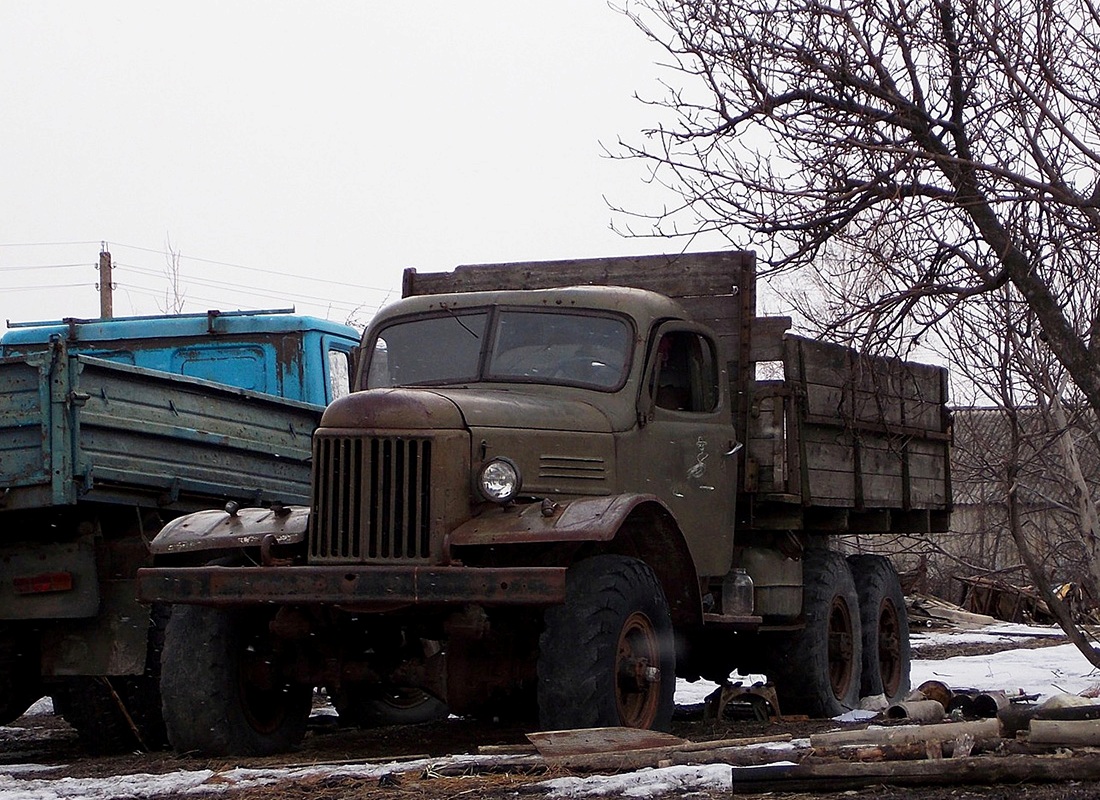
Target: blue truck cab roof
column 275, row 352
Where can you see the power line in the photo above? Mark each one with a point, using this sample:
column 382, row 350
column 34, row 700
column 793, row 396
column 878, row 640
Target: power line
column 49, row 286
column 273, row 294
column 45, row 244
column 169, row 253
column 211, row 283
column 318, row 302
column 263, row 270
column 24, row 267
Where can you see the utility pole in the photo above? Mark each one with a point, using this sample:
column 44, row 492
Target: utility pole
column 106, row 301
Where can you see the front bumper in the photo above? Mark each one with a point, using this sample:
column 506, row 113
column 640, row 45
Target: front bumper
column 355, row 587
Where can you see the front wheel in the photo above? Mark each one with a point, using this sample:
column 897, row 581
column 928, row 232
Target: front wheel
column 817, row 670
column 606, row 655
column 221, row 687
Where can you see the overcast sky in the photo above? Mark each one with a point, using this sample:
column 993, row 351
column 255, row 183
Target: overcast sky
column 336, row 141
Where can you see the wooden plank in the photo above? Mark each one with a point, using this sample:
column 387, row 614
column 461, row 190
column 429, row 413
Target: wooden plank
column 882, row 491
column 831, row 488
column 871, row 389
column 553, row 744
column 675, row 275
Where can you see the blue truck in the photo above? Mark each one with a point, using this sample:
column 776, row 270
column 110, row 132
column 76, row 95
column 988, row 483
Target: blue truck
column 109, row 429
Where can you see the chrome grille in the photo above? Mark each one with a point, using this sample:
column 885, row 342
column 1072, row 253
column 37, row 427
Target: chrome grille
column 371, row 499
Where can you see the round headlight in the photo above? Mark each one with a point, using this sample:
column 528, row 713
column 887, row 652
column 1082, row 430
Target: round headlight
column 499, row 480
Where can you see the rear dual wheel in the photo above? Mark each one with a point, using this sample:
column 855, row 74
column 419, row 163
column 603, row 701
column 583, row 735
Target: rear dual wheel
column 886, row 654
column 816, row 670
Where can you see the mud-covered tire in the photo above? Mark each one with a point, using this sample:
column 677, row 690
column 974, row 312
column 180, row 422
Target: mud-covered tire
column 886, row 653
column 816, row 670
column 118, row 713
column 20, row 685
column 606, row 655
column 88, row 704
column 221, row 693
column 105, row 711
column 374, row 706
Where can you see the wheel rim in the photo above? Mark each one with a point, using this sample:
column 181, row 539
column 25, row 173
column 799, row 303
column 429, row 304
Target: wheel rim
column 841, row 647
column 638, row 672
column 889, row 647
column 263, row 697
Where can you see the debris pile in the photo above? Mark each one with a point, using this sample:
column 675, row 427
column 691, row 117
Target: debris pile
column 962, row 736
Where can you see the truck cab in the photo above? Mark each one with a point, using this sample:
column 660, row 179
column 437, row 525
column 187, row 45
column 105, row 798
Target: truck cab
column 272, row 352
column 606, row 402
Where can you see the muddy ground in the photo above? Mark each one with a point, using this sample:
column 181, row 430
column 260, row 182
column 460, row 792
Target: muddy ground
column 46, row 739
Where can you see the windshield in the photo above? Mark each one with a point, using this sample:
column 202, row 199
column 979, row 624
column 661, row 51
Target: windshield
column 529, row 346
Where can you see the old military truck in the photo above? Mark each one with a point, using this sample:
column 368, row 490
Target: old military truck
column 559, row 486
column 109, row 428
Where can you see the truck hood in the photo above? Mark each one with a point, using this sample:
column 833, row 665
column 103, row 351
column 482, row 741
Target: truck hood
column 397, row 409
column 425, row 409
column 507, row 408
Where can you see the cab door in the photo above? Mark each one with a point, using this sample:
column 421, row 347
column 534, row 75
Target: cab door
column 685, row 447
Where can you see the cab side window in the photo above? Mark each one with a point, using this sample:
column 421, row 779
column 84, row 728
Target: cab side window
column 685, row 377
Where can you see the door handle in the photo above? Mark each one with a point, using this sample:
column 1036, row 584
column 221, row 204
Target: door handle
column 733, row 449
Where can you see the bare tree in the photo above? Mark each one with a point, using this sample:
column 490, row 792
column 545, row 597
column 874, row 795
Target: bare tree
column 1030, row 457
column 931, row 151
column 935, row 162
column 174, row 296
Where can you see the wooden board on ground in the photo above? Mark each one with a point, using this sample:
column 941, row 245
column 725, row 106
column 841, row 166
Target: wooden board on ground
column 554, row 744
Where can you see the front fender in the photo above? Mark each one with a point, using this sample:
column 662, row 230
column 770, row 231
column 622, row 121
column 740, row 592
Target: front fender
column 589, row 519
column 220, row 530
column 639, row 525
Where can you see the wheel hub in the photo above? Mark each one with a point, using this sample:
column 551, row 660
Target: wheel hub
column 638, row 680
column 841, row 647
column 889, row 648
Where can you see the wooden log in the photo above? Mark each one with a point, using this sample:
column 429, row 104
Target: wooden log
column 488, row 765
column 506, row 750
column 740, row 756
column 743, row 741
column 978, row 770
column 908, row 751
column 943, row 732
column 1069, row 732
column 688, row 753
